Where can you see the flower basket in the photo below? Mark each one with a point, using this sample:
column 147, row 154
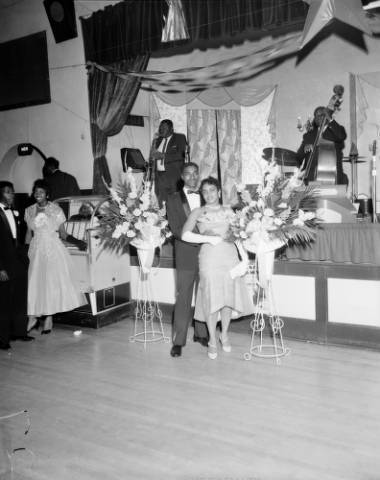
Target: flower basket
column 133, row 217
column 279, row 211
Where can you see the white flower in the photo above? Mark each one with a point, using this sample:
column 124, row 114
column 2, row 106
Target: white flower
column 139, row 225
column 298, row 222
column 278, row 221
column 282, row 205
column 132, row 195
column 124, row 227
column 123, row 210
column 242, row 222
column 16, row 213
column 257, row 215
column 240, row 187
column 168, row 234
column 136, row 212
column 268, row 212
column 243, row 235
column 131, row 234
column 117, row 232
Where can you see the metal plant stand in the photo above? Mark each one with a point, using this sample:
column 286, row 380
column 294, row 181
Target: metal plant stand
column 148, row 325
column 266, row 314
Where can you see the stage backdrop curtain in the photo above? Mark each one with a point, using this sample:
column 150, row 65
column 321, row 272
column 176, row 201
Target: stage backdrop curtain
column 111, row 99
column 229, row 135
column 244, row 130
column 123, row 31
column 368, row 130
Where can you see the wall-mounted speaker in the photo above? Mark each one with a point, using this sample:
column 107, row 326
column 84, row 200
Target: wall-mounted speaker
column 61, row 15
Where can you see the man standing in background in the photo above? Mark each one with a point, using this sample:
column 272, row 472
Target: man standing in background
column 61, row 184
column 168, row 153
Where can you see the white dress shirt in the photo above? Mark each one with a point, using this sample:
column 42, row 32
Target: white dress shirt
column 11, row 220
column 194, row 199
column 162, row 148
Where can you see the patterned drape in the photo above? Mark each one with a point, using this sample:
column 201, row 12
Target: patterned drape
column 229, row 135
column 202, row 141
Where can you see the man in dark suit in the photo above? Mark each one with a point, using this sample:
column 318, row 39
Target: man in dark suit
column 168, row 153
column 333, row 133
column 61, row 184
column 179, row 206
column 13, row 272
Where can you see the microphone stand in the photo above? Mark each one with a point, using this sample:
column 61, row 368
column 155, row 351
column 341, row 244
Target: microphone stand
column 374, row 199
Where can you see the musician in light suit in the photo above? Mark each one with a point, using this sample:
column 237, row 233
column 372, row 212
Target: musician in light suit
column 179, row 206
column 332, row 132
column 13, row 272
column 168, row 153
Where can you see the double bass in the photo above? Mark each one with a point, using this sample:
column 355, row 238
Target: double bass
column 324, row 150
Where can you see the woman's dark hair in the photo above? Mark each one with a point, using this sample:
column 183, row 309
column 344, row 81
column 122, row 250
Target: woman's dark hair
column 210, row 181
column 41, row 183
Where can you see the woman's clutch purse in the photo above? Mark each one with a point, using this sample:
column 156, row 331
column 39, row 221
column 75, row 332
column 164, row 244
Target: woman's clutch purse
column 239, row 270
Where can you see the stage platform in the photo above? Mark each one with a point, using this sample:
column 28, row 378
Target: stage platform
column 328, row 292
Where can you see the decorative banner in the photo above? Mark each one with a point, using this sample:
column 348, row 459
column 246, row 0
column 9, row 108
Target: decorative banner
column 223, row 73
column 322, row 12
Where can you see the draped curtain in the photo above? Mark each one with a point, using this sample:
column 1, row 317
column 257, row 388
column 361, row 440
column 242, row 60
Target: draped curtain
column 202, row 141
column 368, row 130
column 111, row 99
column 229, row 135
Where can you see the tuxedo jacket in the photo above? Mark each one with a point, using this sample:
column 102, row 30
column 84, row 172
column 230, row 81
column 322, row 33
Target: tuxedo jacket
column 186, row 254
column 334, row 133
column 13, row 258
column 174, row 155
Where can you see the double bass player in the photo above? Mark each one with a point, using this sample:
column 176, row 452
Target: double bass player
column 324, row 130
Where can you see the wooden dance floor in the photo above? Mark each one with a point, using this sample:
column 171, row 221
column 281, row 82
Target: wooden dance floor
column 103, row 408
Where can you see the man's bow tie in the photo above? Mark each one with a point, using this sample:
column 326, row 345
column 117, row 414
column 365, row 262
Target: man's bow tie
column 189, row 192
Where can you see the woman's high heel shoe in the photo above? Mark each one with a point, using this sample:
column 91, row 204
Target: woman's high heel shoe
column 48, row 324
column 225, row 344
column 212, row 351
column 35, row 325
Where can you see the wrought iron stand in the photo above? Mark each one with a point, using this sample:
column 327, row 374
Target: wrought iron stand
column 148, row 316
column 265, row 312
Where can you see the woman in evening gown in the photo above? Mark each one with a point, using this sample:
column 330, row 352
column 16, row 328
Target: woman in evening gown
column 51, row 288
column 219, row 294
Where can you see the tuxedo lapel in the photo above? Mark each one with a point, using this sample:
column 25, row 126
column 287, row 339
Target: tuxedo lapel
column 6, row 223
column 185, row 203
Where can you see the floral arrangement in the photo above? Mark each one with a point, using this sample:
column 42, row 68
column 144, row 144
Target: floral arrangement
column 280, row 211
column 132, row 216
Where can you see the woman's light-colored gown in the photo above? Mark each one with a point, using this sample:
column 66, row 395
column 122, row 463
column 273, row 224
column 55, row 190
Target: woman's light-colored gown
column 216, row 288
column 51, row 288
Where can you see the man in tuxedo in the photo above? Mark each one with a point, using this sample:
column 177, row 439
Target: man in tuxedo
column 168, row 153
column 13, row 272
column 332, row 132
column 179, row 206
column 61, row 184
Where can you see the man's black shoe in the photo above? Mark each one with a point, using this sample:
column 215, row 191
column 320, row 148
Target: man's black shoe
column 176, row 351
column 202, row 340
column 5, row 346
column 23, row 338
